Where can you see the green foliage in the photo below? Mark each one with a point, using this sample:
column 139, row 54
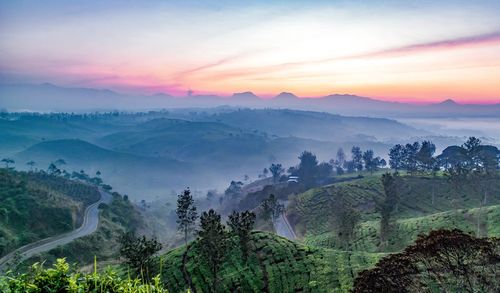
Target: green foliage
column 443, row 261
column 213, row 240
column 63, row 278
column 241, row 224
column 275, row 265
column 186, row 213
column 138, row 252
column 35, row 206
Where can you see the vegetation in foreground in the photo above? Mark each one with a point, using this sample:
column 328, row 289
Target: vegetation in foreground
column 63, row 278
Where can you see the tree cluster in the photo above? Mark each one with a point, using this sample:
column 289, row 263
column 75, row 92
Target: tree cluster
column 443, row 261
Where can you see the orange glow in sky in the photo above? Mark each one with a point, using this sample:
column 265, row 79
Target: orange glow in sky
column 424, row 53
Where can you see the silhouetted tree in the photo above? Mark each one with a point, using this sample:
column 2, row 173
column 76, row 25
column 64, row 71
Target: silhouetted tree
column 8, row 162
column 276, row 171
column 241, row 224
column 31, row 164
column 186, row 213
column 357, row 158
column 345, row 218
column 307, row 168
column 340, row 158
column 213, row 242
column 234, row 189
column 425, row 156
column 410, row 157
column 396, row 157
column 443, row 261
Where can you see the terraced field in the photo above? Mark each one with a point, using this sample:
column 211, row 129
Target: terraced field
column 275, row 265
column 426, row 203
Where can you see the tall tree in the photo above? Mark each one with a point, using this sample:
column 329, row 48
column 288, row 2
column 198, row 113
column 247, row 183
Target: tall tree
column 387, row 204
column 370, row 163
column 425, row 156
column 396, row 157
column 213, row 241
column 186, row 213
column 307, row 168
column 410, row 157
column 340, row 158
column 241, row 225
column 357, row 157
column 276, row 171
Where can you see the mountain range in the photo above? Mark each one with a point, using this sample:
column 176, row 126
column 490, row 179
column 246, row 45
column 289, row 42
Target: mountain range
column 48, row 97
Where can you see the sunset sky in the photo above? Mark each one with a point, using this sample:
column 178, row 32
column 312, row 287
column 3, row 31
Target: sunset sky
column 418, row 51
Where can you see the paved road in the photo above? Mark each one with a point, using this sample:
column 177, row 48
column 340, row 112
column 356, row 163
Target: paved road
column 89, row 225
column 283, row 227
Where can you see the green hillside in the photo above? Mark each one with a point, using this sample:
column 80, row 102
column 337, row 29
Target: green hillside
column 118, row 217
column 35, row 206
column 311, row 213
column 275, row 265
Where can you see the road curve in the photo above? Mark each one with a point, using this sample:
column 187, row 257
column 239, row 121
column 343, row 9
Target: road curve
column 89, row 225
column 283, row 227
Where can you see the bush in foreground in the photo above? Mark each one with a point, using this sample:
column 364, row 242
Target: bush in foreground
column 62, row 278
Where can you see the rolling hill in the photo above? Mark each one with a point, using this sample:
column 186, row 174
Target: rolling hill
column 275, row 264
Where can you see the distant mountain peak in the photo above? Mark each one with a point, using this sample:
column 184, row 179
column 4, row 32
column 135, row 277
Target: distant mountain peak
column 245, row 95
column 286, row 95
column 449, row 102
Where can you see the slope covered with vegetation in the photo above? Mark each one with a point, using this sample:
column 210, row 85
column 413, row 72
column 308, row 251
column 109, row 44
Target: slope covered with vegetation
column 36, row 205
column 275, row 264
column 426, row 203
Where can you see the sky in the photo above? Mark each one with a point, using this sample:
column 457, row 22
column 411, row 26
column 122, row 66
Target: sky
column 410, row 51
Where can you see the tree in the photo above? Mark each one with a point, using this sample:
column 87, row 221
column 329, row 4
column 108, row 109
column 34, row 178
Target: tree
column 386, row 205
column 350, row 166
column 340, row 158
column 265, row 172
column 271, row 208
column 7, row 162
column 31, row 164
column 241, row 224
column 370, row 163
column 357, row 158
column 213, row 242
column 307, row 168
column 396, row 157
column 53, row 170
column 186, row 213
column 345, row 218
column 425, row 156
column 443, row 261
column 410, row 157
column 98, row 173
column 234, row 189
column 276, row 171
column 138, row 252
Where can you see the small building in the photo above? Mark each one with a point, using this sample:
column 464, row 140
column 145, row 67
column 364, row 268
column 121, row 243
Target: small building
column 293, row 179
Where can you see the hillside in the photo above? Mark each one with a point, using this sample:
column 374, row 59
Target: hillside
column 116, row 218
column 36, row 206
column 311, row 213
column 275, row 265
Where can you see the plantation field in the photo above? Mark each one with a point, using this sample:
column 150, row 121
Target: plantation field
column 274, row 265
column 311, row 213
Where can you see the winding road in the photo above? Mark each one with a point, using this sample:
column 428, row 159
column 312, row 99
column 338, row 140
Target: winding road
column 89, row 226
column 283, row 227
